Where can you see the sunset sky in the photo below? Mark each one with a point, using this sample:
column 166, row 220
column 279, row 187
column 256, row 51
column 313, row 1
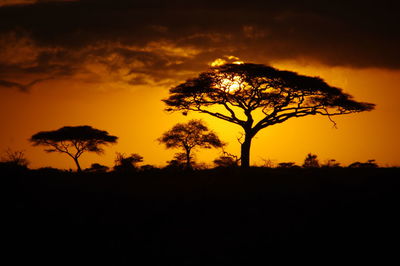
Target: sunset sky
column 109, row 63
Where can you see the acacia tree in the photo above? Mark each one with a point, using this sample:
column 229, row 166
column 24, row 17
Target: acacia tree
column 74, row 141
column 255, row 96
column 189, row 136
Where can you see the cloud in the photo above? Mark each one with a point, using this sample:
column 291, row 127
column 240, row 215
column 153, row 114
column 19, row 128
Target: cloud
column 19, row 86
column 157, row 41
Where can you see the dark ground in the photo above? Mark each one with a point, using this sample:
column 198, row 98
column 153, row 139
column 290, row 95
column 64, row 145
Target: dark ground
column 210, row 217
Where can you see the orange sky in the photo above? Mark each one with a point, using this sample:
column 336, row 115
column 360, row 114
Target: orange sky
column 135, row 114
column 109, row 65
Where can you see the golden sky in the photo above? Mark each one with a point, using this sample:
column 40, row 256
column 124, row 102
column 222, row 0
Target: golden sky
column 111, row 67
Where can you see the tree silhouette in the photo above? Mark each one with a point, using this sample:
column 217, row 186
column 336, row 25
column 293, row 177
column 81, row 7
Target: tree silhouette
column 73, row 141
column 331, row 163
column 179, row 162
column 97, row 168
column 190, row 136
column 256, row 96
column 16, row 158
column 368, row 164
column 125, row 163
column 225, row 161
column 287, row 165
column 311, row 161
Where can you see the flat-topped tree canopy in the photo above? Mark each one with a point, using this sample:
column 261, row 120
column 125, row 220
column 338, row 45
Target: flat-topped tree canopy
column 242, row 89
column 74, row 140
column 76, row 133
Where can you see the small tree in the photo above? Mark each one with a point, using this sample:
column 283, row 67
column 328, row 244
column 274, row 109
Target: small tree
column 367, row 164
column 179, row 162
column 331, row 163
column 268, row 163
column 97, row 168
column 287, row 165
column 255, row 97
column 311, row 161
column 74, row 141
column 148, row 168
column 16, row 158
column 125, row 163
column 190, row 136
column 226, row 160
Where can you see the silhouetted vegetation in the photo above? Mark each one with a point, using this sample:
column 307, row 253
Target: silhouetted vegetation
column 368, row 164
column 179, row 162
column 97, row 168
column 125, row 163
column 268, row 163
column 311, row 161
column 287, row 165
column 222, row 216
column 189, row 137
column 15, row 157
column 226, row 160
column 148, row 168
column 331, row 163
column 73, row 141
column 247, row 89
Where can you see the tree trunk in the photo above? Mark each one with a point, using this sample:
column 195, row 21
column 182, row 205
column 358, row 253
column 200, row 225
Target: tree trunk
column 188, row 164
column 245, row 151
column 77, row 165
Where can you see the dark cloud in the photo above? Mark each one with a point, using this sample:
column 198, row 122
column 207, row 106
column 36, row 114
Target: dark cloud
column 160, row 40
column 8, row 84
column 19, row 86
column 29, row 2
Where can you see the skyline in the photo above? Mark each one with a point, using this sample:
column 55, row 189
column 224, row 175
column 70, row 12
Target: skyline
column 66, row 63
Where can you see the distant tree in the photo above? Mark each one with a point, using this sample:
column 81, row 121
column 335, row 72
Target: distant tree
column 240, row 93
column 331, row 163
column 287, row 165
column 74, row 141
column 97, row 168
column 268, row 163
column 125, row 163
column 227, row 160
column 48, row 170
column 368, row 164
column 311, row 161
column 189, row 137
column 179, row 161
column 148, row 168
column 16, row 158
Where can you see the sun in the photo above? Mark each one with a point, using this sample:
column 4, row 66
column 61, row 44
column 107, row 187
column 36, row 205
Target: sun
column 231, row 84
